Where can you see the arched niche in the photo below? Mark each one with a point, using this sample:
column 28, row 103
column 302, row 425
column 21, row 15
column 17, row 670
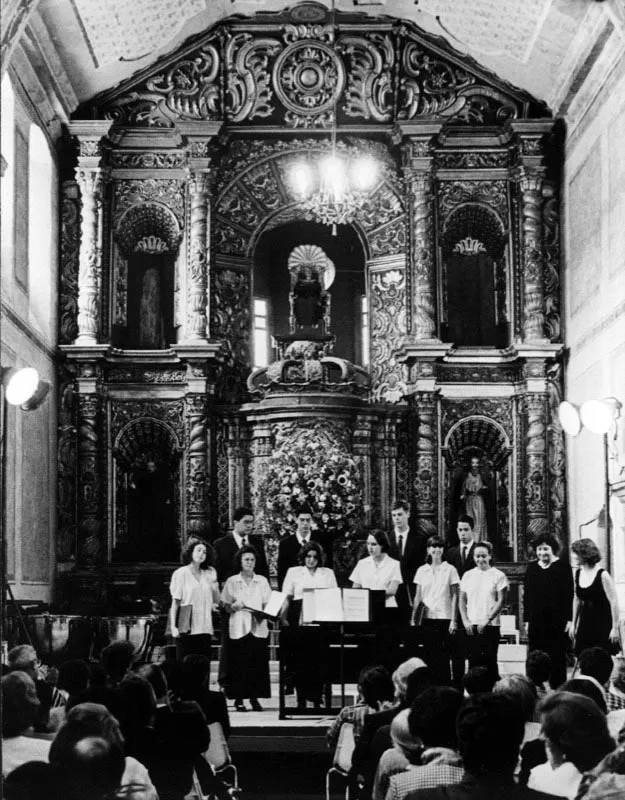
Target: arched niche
column 474, row 293
column 148, row 236
column 147, row 499
column 482, row 438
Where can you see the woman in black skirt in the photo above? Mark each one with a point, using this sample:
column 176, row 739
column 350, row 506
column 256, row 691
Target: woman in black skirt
column 248, row 633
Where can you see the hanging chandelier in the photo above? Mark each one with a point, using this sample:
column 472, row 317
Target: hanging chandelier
column 333, row 188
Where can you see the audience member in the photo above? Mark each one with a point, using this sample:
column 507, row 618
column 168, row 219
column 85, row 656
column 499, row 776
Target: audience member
column 116, row 658
column 489, row 729
column 478, row 680
column 23, row 658
column 72, row 683
column 20, row 707
column 195, row 682
column 606, row 776
column 91, row 769
column 586, row 688
column 435, row 759
column 520, row 689
column 397, row 757
column 538, row 670
column 136, row 720
column 576, row 739
column 596, row 664
column 34, row 780
column 376, row 690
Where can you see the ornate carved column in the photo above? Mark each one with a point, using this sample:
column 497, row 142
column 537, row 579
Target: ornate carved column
column 535, row 467
column 90, row 178
column 530, row 184
column 197, row 467
column 199, row 240
column 426, row 467
column 91, row 530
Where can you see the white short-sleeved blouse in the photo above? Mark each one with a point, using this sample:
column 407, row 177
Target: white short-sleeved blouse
column 377, row 576
column 436, row 588
column 254, row 594
column 299, row 578
column 197, row 592
column 481, row 587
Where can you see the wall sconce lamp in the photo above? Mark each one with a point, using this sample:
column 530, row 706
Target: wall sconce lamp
column 599, row 416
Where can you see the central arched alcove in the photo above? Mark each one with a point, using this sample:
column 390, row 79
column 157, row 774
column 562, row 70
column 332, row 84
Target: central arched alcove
column 271, row 281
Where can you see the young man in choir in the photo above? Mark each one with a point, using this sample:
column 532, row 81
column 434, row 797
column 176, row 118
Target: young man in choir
column 227, row 547
column 409, row 547
column 289, row 547
column 461, row 557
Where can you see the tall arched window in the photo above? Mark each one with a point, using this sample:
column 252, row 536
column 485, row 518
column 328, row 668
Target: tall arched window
column 7, row 147
column 40, row 240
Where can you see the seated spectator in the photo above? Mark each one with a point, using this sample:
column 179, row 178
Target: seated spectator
column 587, row 688
column 489, row 729
column 136, row 720
column 597, row 665
column 20, row 708
column 23, row 658
column 602, row 777
column 538, row 670
column 434, row 759
column 196, row 676
column 397, row 757
column 116, row 658
column 376, row 691
column 91, row 719
column 478, row 680
column 72, row 683
column 34, row 780
column 91, row 769
column 523, row 692
column 576, row 739
column 99, row 691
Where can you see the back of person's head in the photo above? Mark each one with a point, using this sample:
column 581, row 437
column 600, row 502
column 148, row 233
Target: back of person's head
column 97, row 674
column 137, row 703
column 521, row 690
column 478, row 680
column 376, row 686
column 402, row 738
column 433, row 716
column 538, row 667
column 490, row 729
column 400, row 676
column 156, row 677
column 74, row 676
column 20, row 703
column 92, row 769
column 34, row 780
column 596, row 662
column 196, row 670
column 85, row 719
column 575, row 726
column 23, row 657
column 418, row 681
column 116, row 659
column 586, row 688
column 172, row 670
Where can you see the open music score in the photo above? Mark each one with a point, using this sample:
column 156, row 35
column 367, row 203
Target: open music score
column 273, row 607
column 335, row 605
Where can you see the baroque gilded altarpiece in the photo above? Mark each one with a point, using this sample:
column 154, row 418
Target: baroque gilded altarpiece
column 190, row 161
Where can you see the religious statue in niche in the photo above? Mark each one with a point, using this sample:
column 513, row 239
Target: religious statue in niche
column 312, row 273
column 150, row 301
column 474, row 492
column 151, row 532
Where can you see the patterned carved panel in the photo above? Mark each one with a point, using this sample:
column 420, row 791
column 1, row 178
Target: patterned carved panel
column 230, row 321
column 66, row 543
column 169, row 411
column 556, row 455
column 496, row 409
column 551, row 262
column 70, row 248
column 477, row 431
column 222, row 481
column 491, row 193
column 145, row 221
column 166, row 192
column 388, row 328
column 144, row 439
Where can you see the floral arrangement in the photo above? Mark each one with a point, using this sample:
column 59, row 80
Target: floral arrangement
column 311, row 470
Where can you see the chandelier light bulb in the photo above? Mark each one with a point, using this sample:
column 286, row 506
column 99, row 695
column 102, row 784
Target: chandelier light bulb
column 568, row 414
column 21, row 386
column 597, row 416
column 333, row 177
column 301, row 179
column 364, row 172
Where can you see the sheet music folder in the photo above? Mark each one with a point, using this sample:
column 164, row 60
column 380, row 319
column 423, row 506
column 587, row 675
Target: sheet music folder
column 273, row 607
column 338, row 605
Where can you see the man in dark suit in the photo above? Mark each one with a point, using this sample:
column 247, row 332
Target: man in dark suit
column 289, row 546
column 461, row 557
column 490, row 729
column 226, row 547
column 409, row 547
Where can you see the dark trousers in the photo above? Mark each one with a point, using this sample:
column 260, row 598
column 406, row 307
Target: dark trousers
column 482, row 648
column 193, row 644
column 437, row 648
column 458, row 648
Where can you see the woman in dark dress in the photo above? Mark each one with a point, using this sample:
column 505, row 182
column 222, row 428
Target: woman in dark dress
column 595, row 607
column 548, row 600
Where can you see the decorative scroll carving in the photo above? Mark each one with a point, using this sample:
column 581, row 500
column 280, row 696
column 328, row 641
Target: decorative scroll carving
column 422, row 256
column 145, row 220
column 198, row 257
column 249, row 90
column 369, row 92
column 91, row 549
column 67, row 465
column 166, row 192
column 498, row 409
column 480, row 222
column 551, row 241
column 477, row 373
column 120, row 272
column 426, row 468
column 388, row 329
column 186, row 90
column 533, row 310
column 170, row 411
column 198, row 472
column 149, row 160
column 490, row 193
column 230, row 321
column 142, row 375
column 471, row 431
column 90, row 263
column 70, row 254
column 535, row 481
column 223, row 483
column 556, row 455
column 471, row 160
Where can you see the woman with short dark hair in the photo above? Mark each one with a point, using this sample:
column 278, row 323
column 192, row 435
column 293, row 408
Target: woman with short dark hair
column 548, row 596
column 595, row 606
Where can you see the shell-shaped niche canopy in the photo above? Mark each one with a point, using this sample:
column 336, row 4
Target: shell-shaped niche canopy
column 310, row 261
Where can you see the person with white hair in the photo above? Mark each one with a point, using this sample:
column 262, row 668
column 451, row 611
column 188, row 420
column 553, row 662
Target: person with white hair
column 20, row 706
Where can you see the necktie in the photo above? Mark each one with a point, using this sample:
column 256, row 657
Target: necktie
column 400, row 544
column 464, row 555
column 244, row 541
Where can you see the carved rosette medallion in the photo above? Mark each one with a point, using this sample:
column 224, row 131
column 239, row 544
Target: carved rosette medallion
column 309, row 78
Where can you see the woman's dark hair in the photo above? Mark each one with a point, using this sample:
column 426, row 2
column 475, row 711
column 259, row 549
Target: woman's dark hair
column 478, row 680
column 538, row 667
column 311, row 547
column 434, row 541
column 381, row 538
column 486, row 545
column 433, row 715
column 247, row 548
column 138, row 703
column 376, row 685
column 586, row 688
column 587, row 551
column 116, row 659
column 521, row 690
column 187, row 552
column 549, row 540
column 74, row 676
column 577, row 727
column 490, row 729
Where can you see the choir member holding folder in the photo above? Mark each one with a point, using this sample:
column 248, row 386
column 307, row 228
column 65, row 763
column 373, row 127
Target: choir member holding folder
column 244, row 597
column 306, row 646
column 378, row 571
